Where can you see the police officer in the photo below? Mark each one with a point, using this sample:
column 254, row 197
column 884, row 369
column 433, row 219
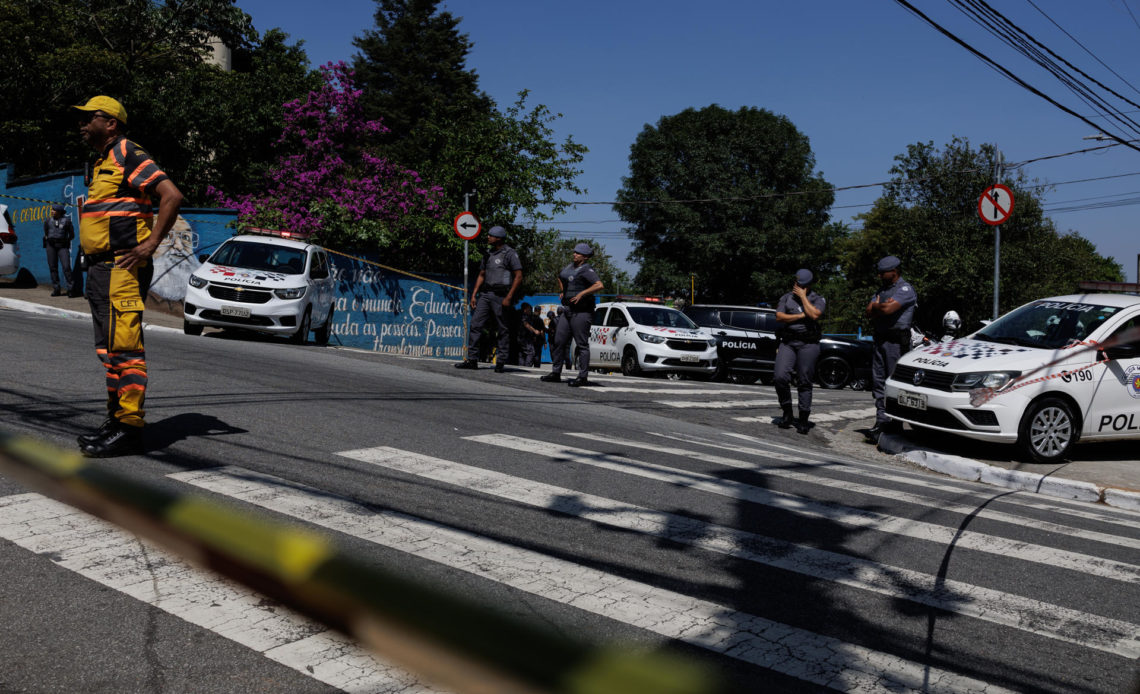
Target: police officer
column 500, row 275
column 799, row 311
column 577, row 284
column 58, row 234
column 892, row 314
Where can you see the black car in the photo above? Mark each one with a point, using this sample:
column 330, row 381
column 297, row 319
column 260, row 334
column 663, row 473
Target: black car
column 746, row 347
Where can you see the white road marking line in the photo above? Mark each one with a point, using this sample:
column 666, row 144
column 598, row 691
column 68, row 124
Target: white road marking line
column 869, row 520
column 869, row 490
column 822, row 660
column 997, row 607
column 722, row 404
column 1079, row 509
column 863, row 413
column 114, row 558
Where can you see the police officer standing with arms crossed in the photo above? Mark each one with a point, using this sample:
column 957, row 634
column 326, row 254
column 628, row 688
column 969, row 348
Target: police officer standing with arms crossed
column 500, row 275
column 577, row 283
column 892, row 314
column 800, row 311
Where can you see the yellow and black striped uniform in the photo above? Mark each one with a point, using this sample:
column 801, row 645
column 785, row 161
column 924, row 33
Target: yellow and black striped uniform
column 116, row 216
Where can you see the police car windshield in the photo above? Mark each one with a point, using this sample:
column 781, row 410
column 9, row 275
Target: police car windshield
column 660, row 317
column 1047, row 324
column 261, row 256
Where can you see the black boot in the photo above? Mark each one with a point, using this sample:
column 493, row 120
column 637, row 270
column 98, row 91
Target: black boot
column 802, row 425
column 787, row 420
column 467, row 364
column 122, row 440
column 552, row 378
column 109, row 424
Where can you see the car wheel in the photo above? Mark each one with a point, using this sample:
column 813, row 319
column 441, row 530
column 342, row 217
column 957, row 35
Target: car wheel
column 322, row 333
column 629, row 363
column 1048, row 430
column 191, row 328
column 302, row 334
column 833, row 372
column 859, row 384
column 743, row 378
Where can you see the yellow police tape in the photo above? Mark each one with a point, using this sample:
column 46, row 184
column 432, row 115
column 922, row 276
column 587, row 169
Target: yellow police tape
column 463, row 645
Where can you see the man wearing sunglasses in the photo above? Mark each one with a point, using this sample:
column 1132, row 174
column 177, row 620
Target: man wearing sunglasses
column 119, row 232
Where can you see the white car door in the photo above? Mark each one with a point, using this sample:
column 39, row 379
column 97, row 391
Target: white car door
column 1115, row 408
column 599, row 336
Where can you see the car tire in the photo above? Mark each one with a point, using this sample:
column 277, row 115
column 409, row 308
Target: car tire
column 629, row 364
column 302, row 335
column 322, row 333
column 1048, row 430
column 192, row 329
column 833, row 372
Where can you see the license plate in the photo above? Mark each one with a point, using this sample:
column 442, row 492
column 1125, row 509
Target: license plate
column 235, row 311
column 913, row 400
column 689, row 357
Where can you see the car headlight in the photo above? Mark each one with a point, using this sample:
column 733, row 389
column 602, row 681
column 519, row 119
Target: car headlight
column 290, row 293
column 984, row 379
column 651, row 338
column 197, row 282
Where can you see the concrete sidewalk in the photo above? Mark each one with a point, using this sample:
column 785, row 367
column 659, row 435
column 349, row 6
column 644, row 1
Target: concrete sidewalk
column 1114, row 482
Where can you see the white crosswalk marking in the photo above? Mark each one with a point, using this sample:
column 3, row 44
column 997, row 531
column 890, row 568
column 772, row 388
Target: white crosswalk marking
column 869, row 490
column 802, row 654
column 869, row 520
column 994, row 606
column 119, row 560
column 717, row 405
column 862, row 413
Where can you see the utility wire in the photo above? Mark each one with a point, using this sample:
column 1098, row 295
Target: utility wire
column 1014, row 78
column 1086, row 50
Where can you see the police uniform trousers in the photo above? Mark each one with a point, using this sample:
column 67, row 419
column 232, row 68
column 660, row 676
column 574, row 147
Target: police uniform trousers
column 526, row 348
column 800, row 357
column 60, row 255
column 488, row 313
column 117, row 298
column 883, row 360
column 574, row 324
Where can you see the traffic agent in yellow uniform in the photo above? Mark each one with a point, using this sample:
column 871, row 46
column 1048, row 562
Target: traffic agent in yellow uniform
column 119, row 232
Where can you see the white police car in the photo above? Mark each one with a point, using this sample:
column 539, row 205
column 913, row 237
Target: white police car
column 638, row 337
column 266, row 283
column 1042, row 406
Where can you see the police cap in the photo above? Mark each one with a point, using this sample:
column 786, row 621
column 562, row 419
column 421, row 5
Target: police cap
column 889, row 263
column 497, row 233
column 584, row 249
column 804, row 277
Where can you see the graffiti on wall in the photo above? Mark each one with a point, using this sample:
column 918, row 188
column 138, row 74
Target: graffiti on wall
column 379, row 311
column 174, row 261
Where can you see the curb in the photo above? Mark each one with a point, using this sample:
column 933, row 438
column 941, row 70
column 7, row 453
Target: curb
column 1018, row 480
column 31, row 307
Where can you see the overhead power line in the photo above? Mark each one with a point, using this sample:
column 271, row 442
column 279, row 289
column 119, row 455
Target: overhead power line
column 1086, row 50
column 1014, row 78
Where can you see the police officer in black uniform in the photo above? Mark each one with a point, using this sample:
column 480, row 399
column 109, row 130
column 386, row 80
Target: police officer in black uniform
column 892, row 314
column 577, row 284
column 799, row 311
column 500, row 275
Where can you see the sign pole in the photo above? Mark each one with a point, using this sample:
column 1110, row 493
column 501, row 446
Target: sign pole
column 997, row 242
column 464, row 223
column 995, row 207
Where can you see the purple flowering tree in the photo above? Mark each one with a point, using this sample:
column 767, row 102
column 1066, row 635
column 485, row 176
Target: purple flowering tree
column 326, row 181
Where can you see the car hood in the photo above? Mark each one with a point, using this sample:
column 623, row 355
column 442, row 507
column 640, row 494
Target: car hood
column 247, row 277
column 966, row 355
column 674, row 333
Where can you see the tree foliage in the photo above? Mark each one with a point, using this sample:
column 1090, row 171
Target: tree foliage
column 928, row 217
column 549, row 253
column 730, row 197
column 328, row 183
column 412, row 70
column 204, row 125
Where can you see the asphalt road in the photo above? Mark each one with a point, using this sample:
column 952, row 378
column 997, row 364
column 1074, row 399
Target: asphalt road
column 786, row 562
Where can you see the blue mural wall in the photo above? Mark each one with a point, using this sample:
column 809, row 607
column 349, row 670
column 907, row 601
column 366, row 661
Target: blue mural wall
column 376, row 309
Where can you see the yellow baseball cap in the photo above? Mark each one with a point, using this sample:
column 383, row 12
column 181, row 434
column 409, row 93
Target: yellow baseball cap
column 107, row 105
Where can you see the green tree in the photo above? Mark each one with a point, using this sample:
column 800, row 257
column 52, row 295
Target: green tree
column 550, row 252
column 412, row 70
column 928, row 217
column 728, row 196
column 205, row 125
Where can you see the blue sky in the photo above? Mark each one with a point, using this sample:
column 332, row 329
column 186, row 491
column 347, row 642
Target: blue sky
column 861, row 78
